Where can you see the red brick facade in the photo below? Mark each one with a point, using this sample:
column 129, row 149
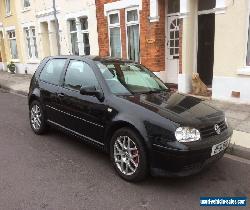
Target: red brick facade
column 152, row 54
column 152, row 34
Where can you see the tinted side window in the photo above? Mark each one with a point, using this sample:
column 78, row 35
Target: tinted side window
column 52, row 71
column 79, row 74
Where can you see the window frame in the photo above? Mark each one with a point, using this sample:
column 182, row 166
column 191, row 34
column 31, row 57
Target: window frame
column 73, row 32
column 8, row 13
column 9, row 32
column 82, row 31
column 132, row 23
column 85, row 31
column 62, row 73
column 34, row 47
column 116, row 25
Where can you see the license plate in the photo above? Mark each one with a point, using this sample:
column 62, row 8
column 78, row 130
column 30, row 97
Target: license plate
column 217, row 148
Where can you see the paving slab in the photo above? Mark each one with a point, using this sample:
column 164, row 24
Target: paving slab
column 238, row 115
column 18, row 83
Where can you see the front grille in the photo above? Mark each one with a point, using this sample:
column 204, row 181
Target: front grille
column 210, row 130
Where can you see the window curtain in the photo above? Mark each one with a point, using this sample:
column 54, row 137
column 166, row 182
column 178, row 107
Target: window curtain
column 86, row 44
column 13, row 49
column 133, row 42
column 115, row 43
column 75, row 49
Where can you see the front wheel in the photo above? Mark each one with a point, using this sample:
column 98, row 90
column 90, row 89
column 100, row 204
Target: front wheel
column 128, row 155
column 37, row 118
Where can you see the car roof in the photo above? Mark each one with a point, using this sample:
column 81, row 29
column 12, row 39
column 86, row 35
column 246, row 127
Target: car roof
column 95, row 58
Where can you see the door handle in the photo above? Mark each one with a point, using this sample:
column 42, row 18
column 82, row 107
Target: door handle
column 60, row 95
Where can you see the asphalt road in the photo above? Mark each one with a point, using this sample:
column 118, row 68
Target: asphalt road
column 56, row 171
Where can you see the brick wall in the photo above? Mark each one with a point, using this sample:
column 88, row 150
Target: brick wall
column 152, row 53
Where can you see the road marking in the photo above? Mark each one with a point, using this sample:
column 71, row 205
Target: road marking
column 235, row 158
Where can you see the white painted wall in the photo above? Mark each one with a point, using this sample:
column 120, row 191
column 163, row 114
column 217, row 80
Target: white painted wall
column 231, row 36
column 41, row 11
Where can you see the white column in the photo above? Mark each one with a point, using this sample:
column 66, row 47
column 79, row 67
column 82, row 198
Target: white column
column 154, row 11
column 79, row 37
column 220, row 4
column 189, row 46
column 52, row 38
column 184, row 7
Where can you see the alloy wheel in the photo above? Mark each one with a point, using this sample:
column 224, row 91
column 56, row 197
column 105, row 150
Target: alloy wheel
column 126, row 155
column 35, row 117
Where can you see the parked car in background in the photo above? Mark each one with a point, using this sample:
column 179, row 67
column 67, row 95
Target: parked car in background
column 124, row 109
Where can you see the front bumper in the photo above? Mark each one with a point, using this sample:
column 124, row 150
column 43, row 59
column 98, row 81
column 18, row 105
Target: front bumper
column 185, row 159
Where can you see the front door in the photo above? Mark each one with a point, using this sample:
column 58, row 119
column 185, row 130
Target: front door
column 173, row 49
column 205, row 57
column 83, row 114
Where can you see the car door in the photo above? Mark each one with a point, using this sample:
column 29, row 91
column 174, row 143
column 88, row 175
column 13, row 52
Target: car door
column 50, row 78
column 83, row 114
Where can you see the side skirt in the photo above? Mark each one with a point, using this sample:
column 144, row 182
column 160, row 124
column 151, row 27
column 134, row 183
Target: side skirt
column 76, row 134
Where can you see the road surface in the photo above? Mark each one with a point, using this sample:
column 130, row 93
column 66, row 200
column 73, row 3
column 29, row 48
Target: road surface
column 56, row 171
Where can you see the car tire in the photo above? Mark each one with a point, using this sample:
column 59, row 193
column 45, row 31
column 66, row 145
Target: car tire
column 128, row 155
column 37, row 118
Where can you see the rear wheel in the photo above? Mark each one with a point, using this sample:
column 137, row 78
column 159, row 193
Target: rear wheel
column 37, row 118
column 128, row 155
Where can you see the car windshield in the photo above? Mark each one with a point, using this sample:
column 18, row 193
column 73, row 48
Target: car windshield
column 127, row 78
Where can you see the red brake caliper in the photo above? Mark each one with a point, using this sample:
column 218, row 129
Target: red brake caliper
column 136, row 159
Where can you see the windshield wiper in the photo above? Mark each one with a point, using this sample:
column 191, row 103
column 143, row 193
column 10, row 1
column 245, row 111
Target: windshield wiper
column 152, row 91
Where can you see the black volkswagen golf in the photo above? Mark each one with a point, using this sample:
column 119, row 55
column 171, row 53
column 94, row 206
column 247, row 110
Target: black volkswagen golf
column 124, row 109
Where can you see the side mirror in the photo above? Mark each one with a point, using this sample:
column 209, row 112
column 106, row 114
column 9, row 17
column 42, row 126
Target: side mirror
column 90, row 91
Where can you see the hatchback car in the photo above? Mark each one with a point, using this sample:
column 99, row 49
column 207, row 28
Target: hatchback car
column 124, row 109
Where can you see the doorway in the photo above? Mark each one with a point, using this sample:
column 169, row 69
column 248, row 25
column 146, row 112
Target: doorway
column 173, row 30
column 205, row 56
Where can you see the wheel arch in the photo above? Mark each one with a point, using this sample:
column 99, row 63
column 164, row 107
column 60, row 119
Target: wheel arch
column 35, row 95
column 123, row 124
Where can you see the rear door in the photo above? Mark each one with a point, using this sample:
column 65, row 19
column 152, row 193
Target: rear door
column 50, row 78
column 83, row 114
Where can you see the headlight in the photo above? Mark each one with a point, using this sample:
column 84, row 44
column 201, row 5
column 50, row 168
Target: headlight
column 186, row 134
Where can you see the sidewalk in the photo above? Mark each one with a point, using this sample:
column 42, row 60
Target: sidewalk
column 18, row 83
column 238, row 115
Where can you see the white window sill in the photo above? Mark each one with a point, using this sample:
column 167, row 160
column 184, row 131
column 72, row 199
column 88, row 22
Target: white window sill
column 25, row 9
column 154, row 19
column 244, row 71
column 33, row 61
